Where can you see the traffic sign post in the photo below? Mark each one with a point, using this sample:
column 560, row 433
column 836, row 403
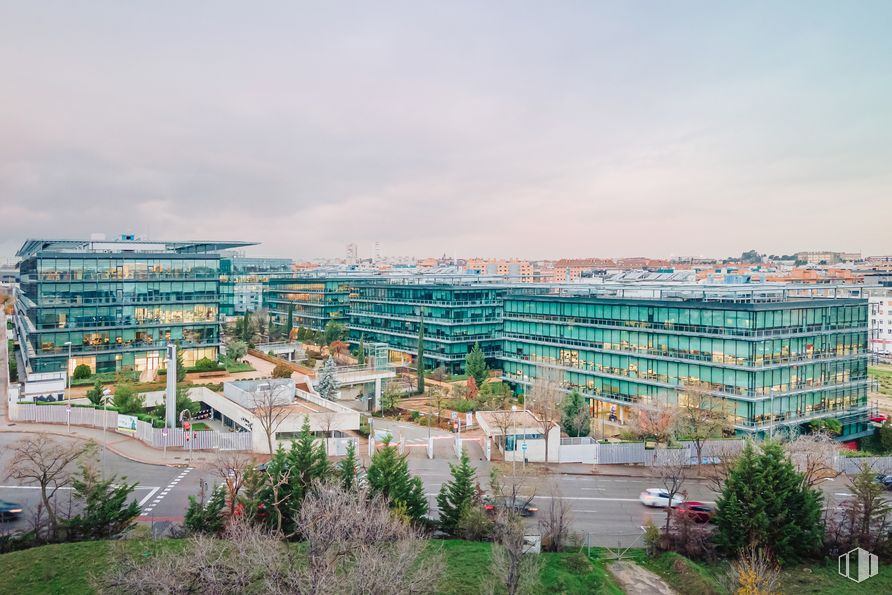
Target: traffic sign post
column 164, row 439
column 68, row 415
column 523, row 447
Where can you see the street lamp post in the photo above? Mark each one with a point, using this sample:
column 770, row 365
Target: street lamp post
column 106, row 395
column 68, row 391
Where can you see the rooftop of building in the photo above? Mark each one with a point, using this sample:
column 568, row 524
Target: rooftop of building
column 723, row 295
column 35, row 246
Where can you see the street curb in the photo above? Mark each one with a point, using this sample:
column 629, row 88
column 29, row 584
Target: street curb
column 16, row 430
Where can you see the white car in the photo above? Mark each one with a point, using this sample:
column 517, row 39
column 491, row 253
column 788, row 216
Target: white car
column 659, row 498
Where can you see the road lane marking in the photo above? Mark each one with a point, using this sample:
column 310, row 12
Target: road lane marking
column 146, row 499
column 164, row 492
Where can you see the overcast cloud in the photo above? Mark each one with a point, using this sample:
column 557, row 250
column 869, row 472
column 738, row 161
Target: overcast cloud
column 539, row 129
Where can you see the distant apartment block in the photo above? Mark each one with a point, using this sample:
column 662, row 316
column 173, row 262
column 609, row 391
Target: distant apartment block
column 241, row 281
column 827, row 257
column 880, row 304
column 512, row 270
column 118, row 303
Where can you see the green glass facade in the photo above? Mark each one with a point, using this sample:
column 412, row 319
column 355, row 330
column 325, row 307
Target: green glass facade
column 241, row 282
column 118, row 303
column 313, row 300
column 781, row 363
column 455, row 317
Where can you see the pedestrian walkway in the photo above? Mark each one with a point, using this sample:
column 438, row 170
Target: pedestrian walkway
column 151, row 505
column 125, row 446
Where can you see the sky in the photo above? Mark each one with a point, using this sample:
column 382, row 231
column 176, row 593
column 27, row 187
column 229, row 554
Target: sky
column 481, row 128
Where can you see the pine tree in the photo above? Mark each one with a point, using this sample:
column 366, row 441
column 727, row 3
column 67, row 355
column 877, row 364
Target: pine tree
column 94, row 395
column 290, row 325
column 420, row 355
column 308, row 462
column 181, row 367
column 347, row 468
column 457, row 495
column 206, row 517
column 475, row 365
column 327, row 386
column 247, row 335
column 766, row 503
column 360, row 354
column 389, row 476
column 575, row 418
column 106, row 511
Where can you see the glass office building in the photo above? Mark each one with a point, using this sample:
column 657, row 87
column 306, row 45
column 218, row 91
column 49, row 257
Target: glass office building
column 456, row 315
column 311, row 300
column 776, row 360
column 118, row 302
column 241, row 281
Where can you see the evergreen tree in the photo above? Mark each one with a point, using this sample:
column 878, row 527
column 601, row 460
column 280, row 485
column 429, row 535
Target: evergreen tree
column 360, row 354
column 181, row 367
column 206, row 517
column 765, row 502
column 347, row 468
column 475, row 365
column 290, row 326
column 420, row 355
column 389, row 476
column 247, row 335
column 106, row 511
column 575, row 417
column 307, row 461
column 457, row 495
column 94, row 395
column 327, row 386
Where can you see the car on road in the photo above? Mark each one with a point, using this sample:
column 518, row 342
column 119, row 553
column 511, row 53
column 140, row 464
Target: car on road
column 522, row 506
column 9, row 510
column 659, row 498
column 698, row 511
column 885, row 480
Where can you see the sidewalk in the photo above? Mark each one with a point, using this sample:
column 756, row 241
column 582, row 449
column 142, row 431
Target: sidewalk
column 124, row 446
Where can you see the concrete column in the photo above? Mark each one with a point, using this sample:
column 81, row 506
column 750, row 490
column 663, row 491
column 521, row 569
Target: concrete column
column 170, row 407
column 377, row 404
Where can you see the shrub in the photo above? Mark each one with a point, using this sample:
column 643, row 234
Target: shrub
column 475, row 525
column 206, row 365
column 282, row 371
column 82, row 371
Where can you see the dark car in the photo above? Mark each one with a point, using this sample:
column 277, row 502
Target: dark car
column 9, row 510
column 885, row 480
column 522, row 506
column 700, row 512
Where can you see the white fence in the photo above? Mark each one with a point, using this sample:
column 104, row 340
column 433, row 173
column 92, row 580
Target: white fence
column 852, row 465
column 155, row 437
column 624, row 453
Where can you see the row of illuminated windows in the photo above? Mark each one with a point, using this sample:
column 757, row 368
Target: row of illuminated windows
column 410, row 343
column 720, row 350
column 427, row 294
column 430, row 312
column 439, row 331
column 138, row 292
column 741, row 319
column 76, row 269
column 676, row 373
column 778, row 409
column 126, row 316
column 116, row 339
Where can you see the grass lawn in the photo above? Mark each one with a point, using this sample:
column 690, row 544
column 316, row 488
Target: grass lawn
column 200, row 426
column 68, row 568
column 233, row 367
column 688, row 577
column 883, row 374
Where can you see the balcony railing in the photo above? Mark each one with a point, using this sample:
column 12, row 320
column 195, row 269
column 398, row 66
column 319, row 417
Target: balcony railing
column 676, row 328
column 768, row 361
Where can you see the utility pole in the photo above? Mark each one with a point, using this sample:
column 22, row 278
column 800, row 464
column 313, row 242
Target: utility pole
column 68, row 377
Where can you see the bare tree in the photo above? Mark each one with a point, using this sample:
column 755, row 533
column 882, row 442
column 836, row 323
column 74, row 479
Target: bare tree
column 502, row 420
column 555, row 526
column 327, row 420
column 672, row 468
column 716, row 474
column 654, row 418
column 354, row 544
column 49, row 463
column 701, row 416
column 261, row 320
column 269, row 404
column 754, row 571
column 544, row 399
column 815, row 456
column 233, row 467
column 514, row 568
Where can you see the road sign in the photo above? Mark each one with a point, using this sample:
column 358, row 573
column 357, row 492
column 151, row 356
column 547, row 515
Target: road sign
column 67, row 408
column 523, row 446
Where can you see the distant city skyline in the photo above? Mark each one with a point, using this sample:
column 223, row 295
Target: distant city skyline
column 523, row 129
